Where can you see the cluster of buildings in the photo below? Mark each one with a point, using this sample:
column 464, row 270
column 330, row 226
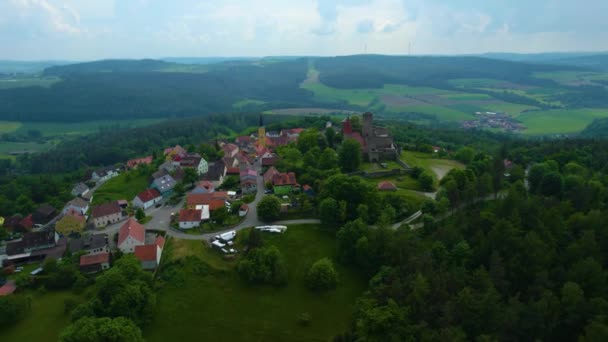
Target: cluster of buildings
column 376, row 142
column 497, row 120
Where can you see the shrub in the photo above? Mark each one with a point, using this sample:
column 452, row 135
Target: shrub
column 322, row 275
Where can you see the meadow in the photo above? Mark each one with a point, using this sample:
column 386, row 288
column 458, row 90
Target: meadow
column 221, row 307
column 46, row 320
column 21, row 82
column 428, row 162
column 124, row 186
column 563, row 121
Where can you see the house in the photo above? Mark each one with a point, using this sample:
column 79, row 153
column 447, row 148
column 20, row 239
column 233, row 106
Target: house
column 214, row 200
column 130, row 235
column 292, row 133
column 77, row 204
column 43, row 214
column 79, row 189
column 103, row 174
column 195, row 161
column 249, row 186
column 243, row 141
column 204, row 187
column 90, row 244
column 133, row 163
column 243, row 210
column 93, row 263
column 32, row 241
column 270, row 174
column 106, row 213
column 307, row 189
column 167, row 166
column 230, row 162
column 150, row 254
column 244, row 159
column 269, row 159
column 216, row 173
column 8, row 288
column 190, row 218
column 164, row 185
column 230, row 150
column 386, row 186
column 124, row 204
column 147, row 199
column 233, row 171
column 284, row 183
column 27, row 223
column 171, row 152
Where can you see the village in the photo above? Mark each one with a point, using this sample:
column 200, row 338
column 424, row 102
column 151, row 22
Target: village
column 495, row 120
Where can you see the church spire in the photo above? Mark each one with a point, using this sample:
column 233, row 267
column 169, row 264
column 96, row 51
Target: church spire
column 261, row 121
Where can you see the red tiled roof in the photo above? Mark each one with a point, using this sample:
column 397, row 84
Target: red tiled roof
column 190, row 215
column 216, row 204
column 243, row 139
column 207, row 185
column 94, row 259
column 134, row 162
column 27, row 222
column 306, row 187
column 269, row 161
column 160, row 241
column 214, row 200
column 229, row 148
column 146, row 252
column 248, row 172
column 386, row 185
column 148, row 195
column 232, row 170
column 8, row 288
column 270, row 174
column 131, row 228
column 105, row 209
column 357, row 136
column 284, row 179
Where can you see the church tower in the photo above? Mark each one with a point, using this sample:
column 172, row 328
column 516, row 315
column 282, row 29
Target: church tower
column 261, row 133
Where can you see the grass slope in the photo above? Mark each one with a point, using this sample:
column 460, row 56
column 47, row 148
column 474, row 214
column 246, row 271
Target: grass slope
column 44, row 323
column 436, row 167
column 220, row 307
column 563, row 121
column 125, row 186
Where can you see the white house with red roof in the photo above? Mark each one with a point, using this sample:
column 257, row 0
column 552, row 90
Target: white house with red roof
column 150, row 254
column 190, row 218
column 147, row 199
column 131, row 235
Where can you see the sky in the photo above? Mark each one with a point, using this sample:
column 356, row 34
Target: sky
column 96, row 29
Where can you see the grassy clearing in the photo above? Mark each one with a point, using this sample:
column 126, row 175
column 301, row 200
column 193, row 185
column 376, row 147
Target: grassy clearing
column 182, row 248
column 401, row 181
column 246, row 102
column 220, row 307
column 7, row 148
column 511, row 109
column 79, row 128
column 568, row 77
column 442, row 113
column 125, row 186
column 436, row 167
column 398, row 89
column 324, row 93
column 414, row 199
column 46, row 320
column 9, row 126
column 466, row 97
column 22, row 82
column 475, row 82
column 562, row 121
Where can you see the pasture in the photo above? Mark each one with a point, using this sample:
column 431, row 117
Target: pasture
column 22, row 82
column 221, row 307
column 124, row 186
column 427, row 161
column 562, row 121
column 46, row 320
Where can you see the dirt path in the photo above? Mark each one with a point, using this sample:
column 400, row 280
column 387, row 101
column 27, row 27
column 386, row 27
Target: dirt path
column 441, row 170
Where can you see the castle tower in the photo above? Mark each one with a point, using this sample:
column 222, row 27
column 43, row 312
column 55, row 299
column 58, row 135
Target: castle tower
column 347, row 127
column 261, row 133
column 367, row 125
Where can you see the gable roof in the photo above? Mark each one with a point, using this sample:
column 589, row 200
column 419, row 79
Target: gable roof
column 248, row 173
column 207, row 185
column 31, row 240
column 216, row 171
column 146, row 252
column 105, row 209
column 94, row 259
column 229, row 148
column 88, row 242
column 270, row 174
column 134, row 162
column 160, row 241
column 190, row 215
column 191, row 160
column 214, row 200
column 27, row 222
column 77, row 203
column 386, row 185
column 284, row 179
column 133, row 229
column 79, row 188
column 148, row 195
column 164, row 183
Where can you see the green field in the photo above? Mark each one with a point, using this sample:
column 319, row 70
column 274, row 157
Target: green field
column 17, row 147
column 44, row 323
column 125, row 186
column 475, row 82
column 21, row 82
column 220, row 307
column 356, row 97
column 569, row 77
column 442, row 113
column 78, row 128
column 9, row 126
column 466, row 97
column 563, row 121
column 427, row 161
column 246, row 102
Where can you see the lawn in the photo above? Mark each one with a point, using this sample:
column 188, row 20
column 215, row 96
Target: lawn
column 18, row 147
column 78, row 128
column 44, row 323
column 401, row 181
column 475, row 82
column 358, row 97
column 466, row 97
column 22, row 82
column 220, row 307
column 246, row 102
column 442, row 113
column 125, row 186
column 562, row 121
column 9, row 126
column 427, row 161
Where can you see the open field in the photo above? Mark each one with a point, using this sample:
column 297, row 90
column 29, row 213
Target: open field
column 21, row 82
column 221, row 307
column 436, row 167
column 125, row 186
column 7, row 148
column 87, row 127
column 309, row 111
column 9, row 126
column 44, row 323
column 563, row 121
column 442, row 113
column 572, row 77
column 357, row 97
column 246, row 102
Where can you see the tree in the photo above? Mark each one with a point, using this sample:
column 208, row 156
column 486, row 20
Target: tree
column 70, row 224
column 328, row 211
column 263, row 265
column 269, row 208
column 322, row 276
column 91, row 329
column 552, row 184
column 426, row 181
column 328, row 159
column 220, row 215
column 190, row 175
column 140, row 214
column 13, row 308
column 465, row 155
column 330, row 136
column 307, row 140
column 349, row 156
column 255, row 238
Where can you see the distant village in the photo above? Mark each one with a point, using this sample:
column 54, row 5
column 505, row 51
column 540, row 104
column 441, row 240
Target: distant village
column 497, row 120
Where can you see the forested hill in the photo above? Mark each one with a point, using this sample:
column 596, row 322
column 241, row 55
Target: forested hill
column 110, row 65
column 596, row 129
column 373, row 71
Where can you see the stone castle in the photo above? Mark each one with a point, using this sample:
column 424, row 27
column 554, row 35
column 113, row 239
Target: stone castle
column 376, row 142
